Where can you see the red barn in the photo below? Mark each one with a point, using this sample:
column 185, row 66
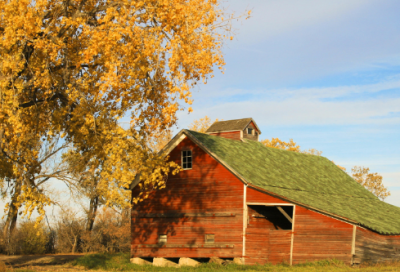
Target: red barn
column 237, row 199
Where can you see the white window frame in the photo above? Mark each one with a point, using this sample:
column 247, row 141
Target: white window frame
column 209, row 241
column 251, row 133
column 191, row 156
column 162, row 238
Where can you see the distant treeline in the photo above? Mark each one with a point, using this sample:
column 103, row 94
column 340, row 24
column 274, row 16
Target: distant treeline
column 110, row 233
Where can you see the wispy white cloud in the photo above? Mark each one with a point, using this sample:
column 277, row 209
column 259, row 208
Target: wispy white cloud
column 273, row 18
column 309, row 112
column 294, row 41
column 310, row 93
column 304, row 106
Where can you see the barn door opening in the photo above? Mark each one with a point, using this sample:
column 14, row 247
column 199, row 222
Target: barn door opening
column 268, row 233
column 271, row 217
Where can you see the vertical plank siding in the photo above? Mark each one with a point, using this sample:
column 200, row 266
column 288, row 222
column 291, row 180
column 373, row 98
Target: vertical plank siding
column 233, row 135
column 315, row 237
column 374, row 247
column 206, row 199
column 265, row 244
column 320, row 237
column 255, row 196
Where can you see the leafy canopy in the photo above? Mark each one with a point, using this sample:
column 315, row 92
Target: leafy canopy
column 73, row 68
column 371, row 181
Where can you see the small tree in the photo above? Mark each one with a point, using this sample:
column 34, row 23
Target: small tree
column 33, row 237
column 202, row 124
column 371, row 181
column 69, row 228
column 277, row 143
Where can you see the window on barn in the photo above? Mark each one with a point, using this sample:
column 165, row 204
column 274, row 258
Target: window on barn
column 162, row 239
column 270, row 217
column 249, row 131
column 187, row 159
column 209, row 239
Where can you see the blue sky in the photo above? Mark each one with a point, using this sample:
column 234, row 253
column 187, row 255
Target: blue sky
column 325, row 73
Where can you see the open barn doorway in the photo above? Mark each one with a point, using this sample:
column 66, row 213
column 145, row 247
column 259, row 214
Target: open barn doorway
column 269, row 233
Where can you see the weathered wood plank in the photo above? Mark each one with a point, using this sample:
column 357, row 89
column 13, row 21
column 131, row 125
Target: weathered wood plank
column 177, row 214
column 185, row 246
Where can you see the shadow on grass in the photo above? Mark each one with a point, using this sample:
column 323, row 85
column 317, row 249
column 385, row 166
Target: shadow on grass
column 120, row 262
column 95, row 261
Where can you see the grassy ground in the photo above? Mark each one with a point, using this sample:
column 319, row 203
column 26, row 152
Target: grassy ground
column 120, row 262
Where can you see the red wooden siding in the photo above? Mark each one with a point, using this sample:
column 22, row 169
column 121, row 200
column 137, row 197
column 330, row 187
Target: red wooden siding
column 264, row 244
column 209, row 200
column 233, row 135
column 373, row 247
column 254, row 196
column 320, row 237
column 316, row 236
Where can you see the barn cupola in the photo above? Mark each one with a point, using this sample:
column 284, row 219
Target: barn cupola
column 237, row 129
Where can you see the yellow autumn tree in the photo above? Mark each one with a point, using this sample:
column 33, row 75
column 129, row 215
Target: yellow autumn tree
column 160, row 139
column 88, row 174
column 202, row 124
column 277, row 143
column 73, row 68
column 371, row 181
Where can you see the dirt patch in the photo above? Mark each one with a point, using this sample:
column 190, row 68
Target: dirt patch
column 40, row 262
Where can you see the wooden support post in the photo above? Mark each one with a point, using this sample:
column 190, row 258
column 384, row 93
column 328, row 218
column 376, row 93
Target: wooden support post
column 291, row 242
column 285, row 214
column 244, row 221
column 353, row 244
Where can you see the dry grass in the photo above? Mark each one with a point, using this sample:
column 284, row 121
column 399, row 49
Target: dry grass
column 120, row 262
column 3, row 267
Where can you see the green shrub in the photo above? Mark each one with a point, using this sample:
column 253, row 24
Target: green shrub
column 32, row 239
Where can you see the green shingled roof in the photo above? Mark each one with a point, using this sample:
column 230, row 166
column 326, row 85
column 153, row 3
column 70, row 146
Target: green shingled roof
column 308, row 179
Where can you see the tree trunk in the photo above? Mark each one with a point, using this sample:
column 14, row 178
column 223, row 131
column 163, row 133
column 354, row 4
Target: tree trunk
column 12, row 215
column 94, row 204
column 75, row 246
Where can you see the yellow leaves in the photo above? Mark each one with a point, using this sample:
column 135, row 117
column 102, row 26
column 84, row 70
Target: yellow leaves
column 371, row 181
column 202, row 124
column 277, row 143
column 312, row 151
column 290, row 146
column 89, row 68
